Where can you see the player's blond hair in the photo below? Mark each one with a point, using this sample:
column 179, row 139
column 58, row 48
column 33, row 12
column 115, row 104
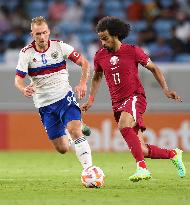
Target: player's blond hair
column 38, row 21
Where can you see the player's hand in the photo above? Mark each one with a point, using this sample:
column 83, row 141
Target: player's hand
column 172, row 95
column 29, row 90
column 87, row 105
column 81, row 90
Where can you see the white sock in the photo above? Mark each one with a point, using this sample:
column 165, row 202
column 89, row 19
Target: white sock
column 83, row 152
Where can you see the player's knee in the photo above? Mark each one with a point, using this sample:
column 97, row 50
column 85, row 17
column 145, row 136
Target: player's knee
column 62, row 149
column 126, row 121
column 124, row 125
column 74, row 129
column 75, row 132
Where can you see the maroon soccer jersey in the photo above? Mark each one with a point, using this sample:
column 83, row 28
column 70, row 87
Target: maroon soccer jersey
column 121, row 71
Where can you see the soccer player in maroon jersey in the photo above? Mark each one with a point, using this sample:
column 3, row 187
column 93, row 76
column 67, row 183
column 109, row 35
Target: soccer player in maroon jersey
column 119, row 63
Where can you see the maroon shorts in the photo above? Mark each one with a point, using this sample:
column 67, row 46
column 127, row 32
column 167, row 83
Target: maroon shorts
column 136, row 106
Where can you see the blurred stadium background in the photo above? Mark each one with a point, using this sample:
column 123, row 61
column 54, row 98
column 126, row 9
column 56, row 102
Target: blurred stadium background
column 161, row 27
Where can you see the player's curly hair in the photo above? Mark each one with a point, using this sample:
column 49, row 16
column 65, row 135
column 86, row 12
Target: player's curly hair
column 114, row 26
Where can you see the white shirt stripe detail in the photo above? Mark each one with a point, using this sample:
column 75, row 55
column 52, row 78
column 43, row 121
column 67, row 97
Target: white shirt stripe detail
column 134, row 108
column 124, row 104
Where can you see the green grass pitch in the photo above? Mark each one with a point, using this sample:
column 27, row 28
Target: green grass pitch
column 48, row 178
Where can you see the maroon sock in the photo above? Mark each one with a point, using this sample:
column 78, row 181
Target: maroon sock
column 130, row 136
column 155, row 152
column 141, row 164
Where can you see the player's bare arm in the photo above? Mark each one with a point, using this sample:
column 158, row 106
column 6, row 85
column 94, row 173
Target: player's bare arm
column 28, row 90
column 159, row 76
column 95, row 84
column 81, row 88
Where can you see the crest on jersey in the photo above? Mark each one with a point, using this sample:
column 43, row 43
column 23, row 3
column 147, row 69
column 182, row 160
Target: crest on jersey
column 54, row 55
column 114, row 60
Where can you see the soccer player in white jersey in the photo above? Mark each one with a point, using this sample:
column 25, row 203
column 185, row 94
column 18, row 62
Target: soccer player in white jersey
column 44, row 61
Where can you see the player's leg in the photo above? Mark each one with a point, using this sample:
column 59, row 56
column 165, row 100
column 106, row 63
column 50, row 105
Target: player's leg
column 72, row 121
column 127, row 126
column 61, row 144
column 55, row 118
column 143, row 145
column 82, row 148
column 85, row 131
column 155, row 152
column 54, row 128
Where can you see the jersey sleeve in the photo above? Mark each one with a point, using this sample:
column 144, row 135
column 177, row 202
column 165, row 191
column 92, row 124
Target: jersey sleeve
column 69, row 52
column 22, row 66
column 97, row 67
column 141, row 56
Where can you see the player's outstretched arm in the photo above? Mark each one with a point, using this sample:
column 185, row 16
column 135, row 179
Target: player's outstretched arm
column 159, row 76
column 81, row 88
column 28, row 90
column 95, row 84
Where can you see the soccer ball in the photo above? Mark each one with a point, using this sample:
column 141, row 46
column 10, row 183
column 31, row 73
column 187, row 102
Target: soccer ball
column 92, row 177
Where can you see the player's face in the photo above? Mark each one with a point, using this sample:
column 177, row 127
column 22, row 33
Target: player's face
column 41, row 33
column 108, row 41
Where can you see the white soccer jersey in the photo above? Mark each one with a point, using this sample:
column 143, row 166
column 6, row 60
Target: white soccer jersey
column 47, row 70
